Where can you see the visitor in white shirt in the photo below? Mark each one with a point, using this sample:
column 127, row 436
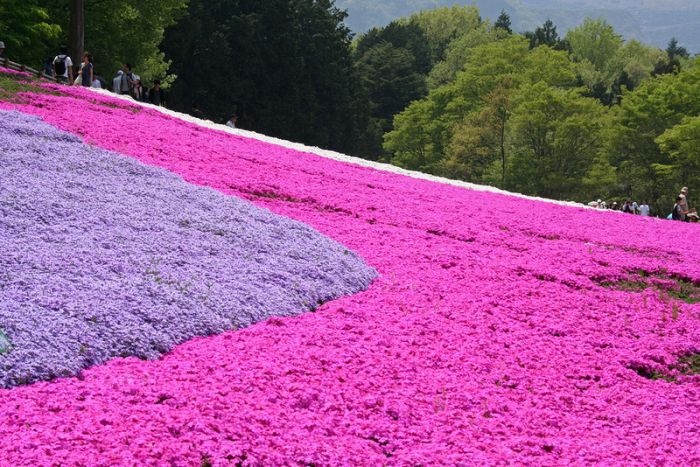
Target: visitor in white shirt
column 644, row 210
column 63, row 67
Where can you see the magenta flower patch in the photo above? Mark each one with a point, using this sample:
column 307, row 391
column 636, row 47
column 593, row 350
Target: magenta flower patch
column 105, row 257
column 499, row 332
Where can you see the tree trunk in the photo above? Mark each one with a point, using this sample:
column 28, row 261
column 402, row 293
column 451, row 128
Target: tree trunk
column 77, row 30
column 502, row 144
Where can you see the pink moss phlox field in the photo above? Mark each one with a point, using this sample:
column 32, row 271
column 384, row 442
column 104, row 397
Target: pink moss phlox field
column 486, row 339
column 8, row 71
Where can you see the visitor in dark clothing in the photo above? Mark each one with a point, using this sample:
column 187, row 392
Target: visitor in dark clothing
column 86, row 71
column 677, row 213
column 156, row 95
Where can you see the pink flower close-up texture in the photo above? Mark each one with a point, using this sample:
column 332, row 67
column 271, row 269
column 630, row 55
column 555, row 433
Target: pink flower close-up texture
column 499, row 329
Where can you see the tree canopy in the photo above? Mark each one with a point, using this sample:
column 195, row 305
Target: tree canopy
column 33, row 31
column 27, row 30
column 283, row 66
column 589, row 115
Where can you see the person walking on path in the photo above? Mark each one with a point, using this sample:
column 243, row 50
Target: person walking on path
column 63, row 67
column 232, row 121
column 87, row 73
column 137, row 90
column 156, row 95
column 644, row 209
column 126, row 81
column 627, row 207
column 195, row 112
column 116, row 82
column 2, row 50
column 685, row 209
column 676, row 214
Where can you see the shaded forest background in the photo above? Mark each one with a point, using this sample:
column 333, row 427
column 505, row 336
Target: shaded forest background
column 580, row 116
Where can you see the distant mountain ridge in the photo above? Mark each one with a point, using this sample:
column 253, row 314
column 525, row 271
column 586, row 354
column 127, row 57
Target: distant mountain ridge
column 653, row 22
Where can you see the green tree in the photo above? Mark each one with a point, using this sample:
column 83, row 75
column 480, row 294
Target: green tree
column 658, row 105
column 27, row 30
column 457, row 53
column 417, row 141
column 637, row 61
column 389, row 75
column 595, row 41
column 601, row 181
column 546, row 35
column 443, row 25
column 131, row 32
column 557, row 134
column 392, row 64
column 607, row 63
column 478, row 150
column 682, row 144
column 423, row 133
column 284, row 66
column 400, row 34
column 503, row 22
column 676, row 56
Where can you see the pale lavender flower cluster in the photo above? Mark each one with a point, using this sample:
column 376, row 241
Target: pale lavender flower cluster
column 102, row 256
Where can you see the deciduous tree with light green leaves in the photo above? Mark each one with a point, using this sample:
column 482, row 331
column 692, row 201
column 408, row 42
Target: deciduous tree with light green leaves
column 27, row 30
column 682, row 144
column 557, row 135
column 457, row 53
column 608, row 63
column 443, row 25
column 479, row 148
column 437, row 133
column 594, row 41
column 647, row 145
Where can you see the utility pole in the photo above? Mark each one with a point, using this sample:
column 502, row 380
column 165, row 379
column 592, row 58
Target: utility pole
column 77, row 30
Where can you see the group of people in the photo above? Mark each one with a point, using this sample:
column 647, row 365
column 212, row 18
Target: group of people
column 126, row 82
column 629, row 207
column 129, row 83
column 681, row 209
column 61, row 69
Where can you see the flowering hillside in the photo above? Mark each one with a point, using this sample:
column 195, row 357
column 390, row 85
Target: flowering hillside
column 107, row 257
column 499, row 329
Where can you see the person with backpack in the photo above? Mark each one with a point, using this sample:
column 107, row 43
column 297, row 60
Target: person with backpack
column 63, row 67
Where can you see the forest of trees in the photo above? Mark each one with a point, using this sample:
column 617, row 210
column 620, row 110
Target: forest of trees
column 579, row 117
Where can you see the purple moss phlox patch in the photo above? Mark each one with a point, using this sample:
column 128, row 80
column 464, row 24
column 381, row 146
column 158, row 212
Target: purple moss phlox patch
column 105, row 257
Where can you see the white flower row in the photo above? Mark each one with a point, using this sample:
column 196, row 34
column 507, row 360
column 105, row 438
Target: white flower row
column 334, row 155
